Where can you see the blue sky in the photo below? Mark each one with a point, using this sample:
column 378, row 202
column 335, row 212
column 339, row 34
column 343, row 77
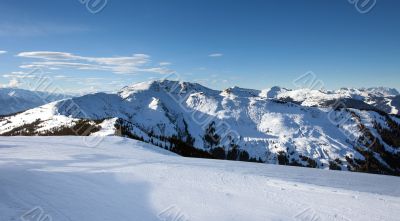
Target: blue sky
column 219, row 43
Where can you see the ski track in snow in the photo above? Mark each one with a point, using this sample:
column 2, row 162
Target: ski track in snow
column 122, row 179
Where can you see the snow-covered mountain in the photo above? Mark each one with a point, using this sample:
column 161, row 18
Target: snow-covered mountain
column 14, row 100
column 61, row 179
column 235, row 124
column 383, row 99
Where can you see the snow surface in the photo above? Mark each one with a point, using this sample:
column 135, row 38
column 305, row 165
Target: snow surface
column 122, row 179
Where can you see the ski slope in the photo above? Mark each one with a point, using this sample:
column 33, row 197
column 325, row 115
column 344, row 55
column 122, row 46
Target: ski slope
column 59, row 178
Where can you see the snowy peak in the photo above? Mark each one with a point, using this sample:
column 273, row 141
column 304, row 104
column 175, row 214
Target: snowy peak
column 366, row 92
column 167, row 86
column 241, row 92
column 383, row 91
column 381, row 98
column 272, row 92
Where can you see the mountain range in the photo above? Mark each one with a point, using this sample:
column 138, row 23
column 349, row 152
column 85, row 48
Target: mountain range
column 13, row 100
column 347, row 129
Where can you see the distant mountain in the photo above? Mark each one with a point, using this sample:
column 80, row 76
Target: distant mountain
column 383, row 99
column 277, row 125
column 17, row 100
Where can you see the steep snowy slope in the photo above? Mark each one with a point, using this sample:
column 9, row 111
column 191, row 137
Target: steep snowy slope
column 62, row 179
column 16, row 100
column 234, row 124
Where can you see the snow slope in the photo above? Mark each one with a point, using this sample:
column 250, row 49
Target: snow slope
column 122, row 179
column 14, row 100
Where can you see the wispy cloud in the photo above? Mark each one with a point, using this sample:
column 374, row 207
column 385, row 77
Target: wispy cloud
column 164, row 63
column 3, row 52
column 215, row 55
column 18, row 74
column 60, row 76
column 119, row 65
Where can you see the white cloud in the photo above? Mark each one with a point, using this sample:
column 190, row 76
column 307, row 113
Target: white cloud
column 60, row 76
column 214, row 55
column 63, row 64
column 3, row 52
column 159, row 70
column 14, row 83
column 11, row 84
column 164, row 63
column 119, row 65
column 48, row 55
column 18, row 75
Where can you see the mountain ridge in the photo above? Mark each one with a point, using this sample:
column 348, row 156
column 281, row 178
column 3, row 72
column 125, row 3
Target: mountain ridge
column 14, row 100
column 235, row 124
